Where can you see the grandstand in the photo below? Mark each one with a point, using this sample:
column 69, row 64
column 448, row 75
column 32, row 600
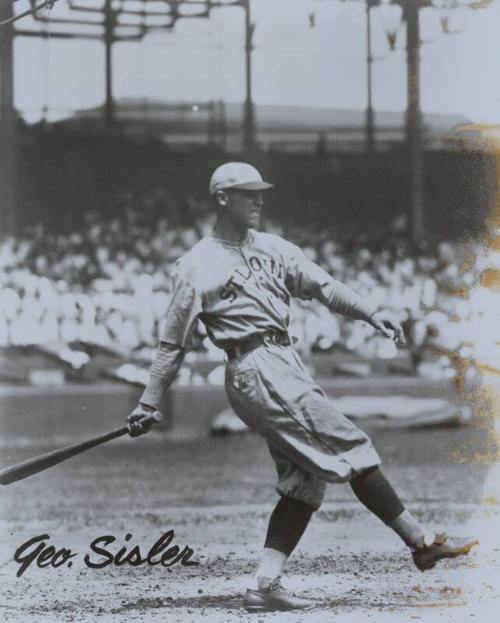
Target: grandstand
column 108, row 283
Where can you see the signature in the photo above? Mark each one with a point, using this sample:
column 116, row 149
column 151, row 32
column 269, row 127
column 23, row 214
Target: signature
column 102, row 553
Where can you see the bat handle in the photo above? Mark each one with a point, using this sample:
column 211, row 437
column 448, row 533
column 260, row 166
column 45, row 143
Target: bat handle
column 48, row 459
column 151, row 418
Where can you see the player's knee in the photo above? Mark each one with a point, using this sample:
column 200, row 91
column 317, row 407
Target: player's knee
column 310, row 491
column 318, row 494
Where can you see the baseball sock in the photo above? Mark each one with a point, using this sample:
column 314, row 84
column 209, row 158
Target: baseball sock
column 411, row 530
column 271, row 567
column 287, row 524
column 374, row 491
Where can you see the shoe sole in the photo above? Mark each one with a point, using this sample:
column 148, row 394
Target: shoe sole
column 462, row 551
column 260, row 609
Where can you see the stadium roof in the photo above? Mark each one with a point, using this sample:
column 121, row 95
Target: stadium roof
column 288, row 127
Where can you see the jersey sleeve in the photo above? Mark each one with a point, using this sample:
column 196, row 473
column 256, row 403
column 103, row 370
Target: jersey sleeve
column 184, row 307
column 306, row 280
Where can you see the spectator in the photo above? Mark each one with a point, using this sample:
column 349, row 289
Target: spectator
column 110, row 283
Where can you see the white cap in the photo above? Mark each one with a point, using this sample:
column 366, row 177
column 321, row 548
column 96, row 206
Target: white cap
column 237, row 175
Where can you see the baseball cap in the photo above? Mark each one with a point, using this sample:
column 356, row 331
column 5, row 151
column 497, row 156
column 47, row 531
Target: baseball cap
column 237, row 175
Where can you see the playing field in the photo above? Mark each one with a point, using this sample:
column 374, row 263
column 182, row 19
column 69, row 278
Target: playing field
column 216, row 494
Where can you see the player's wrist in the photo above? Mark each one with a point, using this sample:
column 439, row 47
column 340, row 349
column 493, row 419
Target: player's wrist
column 154, row 391
column 147, row 407
column 371, row 315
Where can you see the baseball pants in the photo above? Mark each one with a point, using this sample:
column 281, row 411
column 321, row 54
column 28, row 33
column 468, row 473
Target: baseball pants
column 310, row 441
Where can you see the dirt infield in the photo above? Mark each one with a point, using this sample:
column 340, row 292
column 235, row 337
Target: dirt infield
column 216, row 494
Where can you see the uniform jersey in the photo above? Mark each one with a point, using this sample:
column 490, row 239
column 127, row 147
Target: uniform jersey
column 240, row 289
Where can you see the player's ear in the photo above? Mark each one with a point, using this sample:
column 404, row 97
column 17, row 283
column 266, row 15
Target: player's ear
column 221, row 198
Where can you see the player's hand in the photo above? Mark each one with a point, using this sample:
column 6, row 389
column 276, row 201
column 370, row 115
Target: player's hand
column 141, row 419
column 388, row 326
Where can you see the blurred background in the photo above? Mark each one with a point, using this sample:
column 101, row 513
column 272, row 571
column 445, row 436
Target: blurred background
column 377, row 121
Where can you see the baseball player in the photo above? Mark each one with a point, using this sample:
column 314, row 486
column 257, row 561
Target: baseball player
column 239, row 282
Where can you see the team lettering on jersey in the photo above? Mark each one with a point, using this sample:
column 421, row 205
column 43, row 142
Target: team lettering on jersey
column 242, row 274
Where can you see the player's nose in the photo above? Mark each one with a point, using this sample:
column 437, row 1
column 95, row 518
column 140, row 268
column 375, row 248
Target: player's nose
column 259, row 200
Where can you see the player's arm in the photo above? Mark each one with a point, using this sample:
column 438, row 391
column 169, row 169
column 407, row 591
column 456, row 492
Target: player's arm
column 165, row 367
column 340, row 298
column 307, row 280
column 185, row 306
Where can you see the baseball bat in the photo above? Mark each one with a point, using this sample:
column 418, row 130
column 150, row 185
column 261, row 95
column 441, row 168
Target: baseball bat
column 48, row 459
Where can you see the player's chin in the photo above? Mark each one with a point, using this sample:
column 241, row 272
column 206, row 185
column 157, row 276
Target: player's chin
column 254, row 220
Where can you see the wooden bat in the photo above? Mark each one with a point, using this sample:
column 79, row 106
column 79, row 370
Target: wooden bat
column 48, row 459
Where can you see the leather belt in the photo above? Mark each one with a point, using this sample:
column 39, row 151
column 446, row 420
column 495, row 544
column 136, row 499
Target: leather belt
column 263, row 339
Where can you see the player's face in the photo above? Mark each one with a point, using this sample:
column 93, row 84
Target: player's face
column 244, row 206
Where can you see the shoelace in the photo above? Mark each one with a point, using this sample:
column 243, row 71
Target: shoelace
column 439, row 539
column 275, row 585
column 278, row 585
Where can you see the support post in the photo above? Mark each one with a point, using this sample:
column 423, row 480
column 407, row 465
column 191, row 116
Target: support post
column 369, row 63
column 414, row 121
column 8, row 152
column 109, row 107
column 249, row 121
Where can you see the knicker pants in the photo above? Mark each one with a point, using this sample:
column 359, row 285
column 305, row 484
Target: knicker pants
column 310, row 441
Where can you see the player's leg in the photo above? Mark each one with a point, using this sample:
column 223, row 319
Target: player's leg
column 341, row 451
column 277, row 397
column 300, row 495
column 373, row 490
column 287, row 524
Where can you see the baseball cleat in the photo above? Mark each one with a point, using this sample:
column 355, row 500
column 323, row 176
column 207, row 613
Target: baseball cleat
column 426, row 556
column 274, row 599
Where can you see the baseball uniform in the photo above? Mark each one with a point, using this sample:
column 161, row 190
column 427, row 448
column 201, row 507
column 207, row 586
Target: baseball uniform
column 241, row 290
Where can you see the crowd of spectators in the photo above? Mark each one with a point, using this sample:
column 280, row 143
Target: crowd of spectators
column 109, row 281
